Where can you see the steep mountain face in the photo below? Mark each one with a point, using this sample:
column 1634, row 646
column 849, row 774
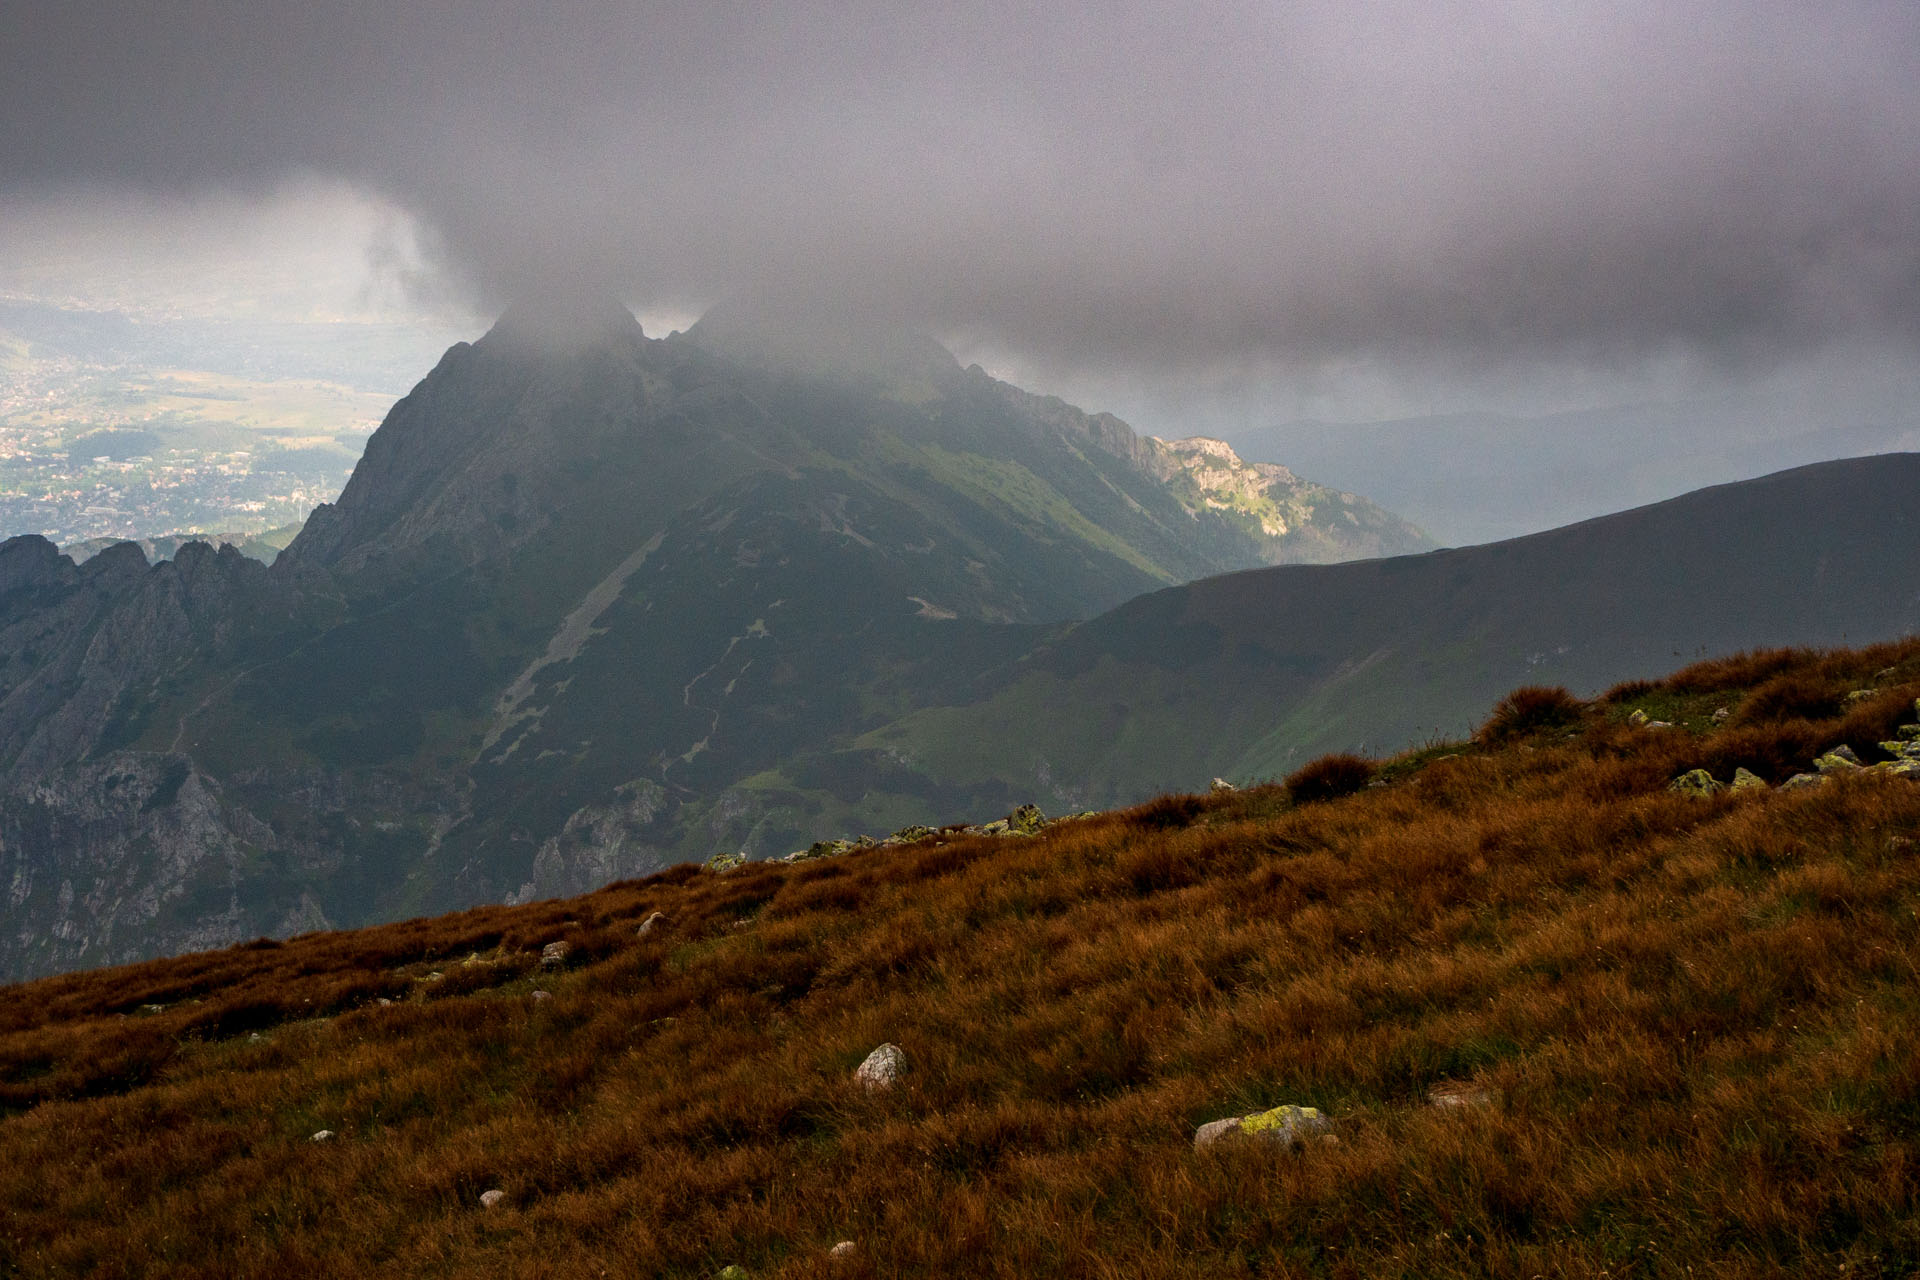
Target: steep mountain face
column 592, row 603
column 1249, row 675
column 1293, row 521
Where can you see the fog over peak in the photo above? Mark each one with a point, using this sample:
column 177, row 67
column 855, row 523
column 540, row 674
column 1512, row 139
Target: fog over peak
column 1191, row 193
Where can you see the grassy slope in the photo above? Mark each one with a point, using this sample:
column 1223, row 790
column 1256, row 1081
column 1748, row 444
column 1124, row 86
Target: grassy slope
column 1697, row 1018
column 1247, row 675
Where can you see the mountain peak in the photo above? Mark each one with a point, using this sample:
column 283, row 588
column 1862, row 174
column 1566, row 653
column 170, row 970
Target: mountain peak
column 563, row 318
column 819, row 341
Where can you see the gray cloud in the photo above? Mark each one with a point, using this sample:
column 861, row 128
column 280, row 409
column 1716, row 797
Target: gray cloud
column 1185, row 187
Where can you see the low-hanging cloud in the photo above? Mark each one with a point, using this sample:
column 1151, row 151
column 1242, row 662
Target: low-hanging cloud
column 1176, row 186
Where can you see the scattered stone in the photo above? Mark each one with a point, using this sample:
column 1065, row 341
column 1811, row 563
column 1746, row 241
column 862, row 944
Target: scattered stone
column 472, row 960
column 1639, row 719
column 1839, row 760
column 435, row 976
column 1455, row 1095
column 1901, row 768
column 325, row 1135
column 383, row 1002
column 1721, row 713
column 1859, row 695
column 882, row 1068
column 541, row 995
column 658, row 920
column 1695, row 782
column 1284, row 1126
column 1659, row 724
column 1899, row 844
column 829, row 849
column 732, row 1271
column 1027, row 820
column 911, row 835
column 841, row 1250
column 153, row 1008
column 489, row 1199
column 721, row 863
column 1799, row 780
column 554, row 954
column 1902, row 749
column 1745, row 779
column 1221, row 785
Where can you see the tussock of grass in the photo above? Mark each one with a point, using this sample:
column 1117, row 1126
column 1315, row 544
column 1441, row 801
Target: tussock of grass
column 1696, row 1021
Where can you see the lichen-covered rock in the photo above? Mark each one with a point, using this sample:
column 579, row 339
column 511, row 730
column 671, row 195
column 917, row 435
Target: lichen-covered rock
column 910, row 835
column 721, row 863
column 1695, row 782
column 1027, row 820
column 1859, row 695
column 1745, row 779
column 732, row 1271
column 1284, row 1126
column 1911, row 732
column 1839, row 760
column 1639, row 719
column 828, row 849
column 882, row 1068
column 554, row 954
column 1800, row 780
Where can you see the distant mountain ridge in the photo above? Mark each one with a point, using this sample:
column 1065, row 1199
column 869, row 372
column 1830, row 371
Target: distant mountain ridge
column 1250, row 674
column 585, row 598
column 594, row 604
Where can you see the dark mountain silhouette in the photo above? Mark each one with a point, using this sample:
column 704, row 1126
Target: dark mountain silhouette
column 585, row 592
column 1249, row 674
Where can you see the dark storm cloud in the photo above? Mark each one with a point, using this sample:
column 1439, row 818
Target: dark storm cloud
column 1181, row 184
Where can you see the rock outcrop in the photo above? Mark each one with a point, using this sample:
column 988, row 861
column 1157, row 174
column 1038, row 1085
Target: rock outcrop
column 881, row 1069
column 1283, row 1126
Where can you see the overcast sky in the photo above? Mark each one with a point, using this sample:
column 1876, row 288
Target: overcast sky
column 1355, row 207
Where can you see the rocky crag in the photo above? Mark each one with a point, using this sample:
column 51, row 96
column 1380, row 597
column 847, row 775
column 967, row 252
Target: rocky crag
column 589, row 605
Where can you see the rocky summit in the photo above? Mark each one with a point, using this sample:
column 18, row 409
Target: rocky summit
column 592, row 603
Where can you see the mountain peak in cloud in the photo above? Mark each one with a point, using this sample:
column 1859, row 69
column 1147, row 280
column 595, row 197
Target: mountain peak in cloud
column 564, row 317
column 821, row 340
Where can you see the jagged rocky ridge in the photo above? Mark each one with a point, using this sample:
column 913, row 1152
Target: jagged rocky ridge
column 594, row 604
column 584, row 588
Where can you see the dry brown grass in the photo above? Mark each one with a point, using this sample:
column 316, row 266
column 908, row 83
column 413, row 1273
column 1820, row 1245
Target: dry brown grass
column 1329, row 778
column 1698, row 1019
column 1528, row 711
